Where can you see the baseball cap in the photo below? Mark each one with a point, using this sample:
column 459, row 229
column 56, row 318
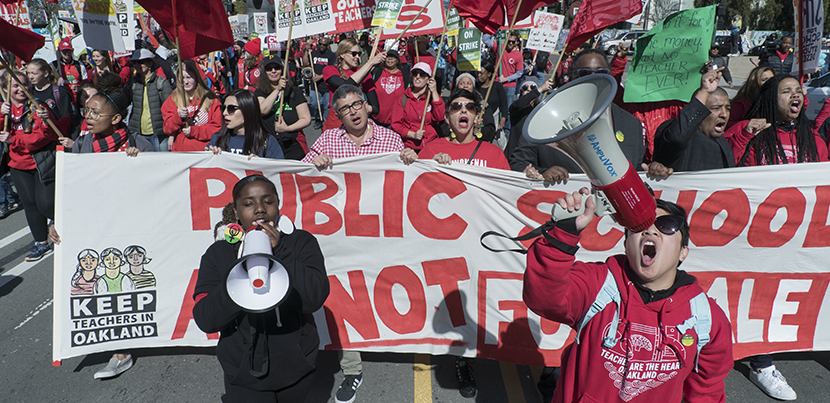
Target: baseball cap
column 423, row 67
column 66, row 44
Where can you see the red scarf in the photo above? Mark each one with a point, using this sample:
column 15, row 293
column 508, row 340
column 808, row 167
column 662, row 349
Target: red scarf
column 116, row 141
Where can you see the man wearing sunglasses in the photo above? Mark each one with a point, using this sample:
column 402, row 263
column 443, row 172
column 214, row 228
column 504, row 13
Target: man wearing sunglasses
column 646, row 331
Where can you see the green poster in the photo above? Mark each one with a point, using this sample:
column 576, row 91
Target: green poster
column 386, row 13
column 453, row 22
column 469, row 49
column 669, row 57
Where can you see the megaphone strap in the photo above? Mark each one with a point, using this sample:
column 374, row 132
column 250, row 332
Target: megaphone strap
column 538, row 231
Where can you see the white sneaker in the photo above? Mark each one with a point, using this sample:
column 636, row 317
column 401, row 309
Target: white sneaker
column 115, row 367
column 772, row 383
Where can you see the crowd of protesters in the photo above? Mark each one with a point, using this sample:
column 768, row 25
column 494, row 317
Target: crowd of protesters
column 243, row 101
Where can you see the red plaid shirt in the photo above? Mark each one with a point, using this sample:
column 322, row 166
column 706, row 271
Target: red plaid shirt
column 336, row 144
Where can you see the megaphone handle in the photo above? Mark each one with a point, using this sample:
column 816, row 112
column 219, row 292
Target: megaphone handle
column 602, row 206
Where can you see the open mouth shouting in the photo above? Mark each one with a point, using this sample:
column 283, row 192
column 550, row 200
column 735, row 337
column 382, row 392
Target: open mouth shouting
column 648, row 251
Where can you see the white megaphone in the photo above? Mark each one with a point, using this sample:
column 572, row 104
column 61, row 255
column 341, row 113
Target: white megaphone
column 258, row 282
column 576, row 119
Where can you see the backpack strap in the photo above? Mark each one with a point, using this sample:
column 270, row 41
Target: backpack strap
column 700, row 321
column 607, row 294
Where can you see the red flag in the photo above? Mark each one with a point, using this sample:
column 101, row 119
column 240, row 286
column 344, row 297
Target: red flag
column 595, row 15
column 489, row 15
column 22, row 42
column 202, row 24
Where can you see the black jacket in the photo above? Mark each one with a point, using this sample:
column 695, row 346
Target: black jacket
column 251, row 343
column 678, row 144
column 542, row 157
column 774, row 62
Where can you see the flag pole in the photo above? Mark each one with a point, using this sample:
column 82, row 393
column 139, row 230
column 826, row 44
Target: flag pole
column 435, row 66
column 377, row 41
column 501, row 56
column 287, row 54
column 29, row 96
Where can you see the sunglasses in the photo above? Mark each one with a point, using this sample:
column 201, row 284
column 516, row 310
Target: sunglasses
column 669, row 224
column 528, row 87
column 588, row 72
column 355, row 53
column 511, row 42
column 419, row 73
column 456, row 106
column 273, row 67
column 230, row 108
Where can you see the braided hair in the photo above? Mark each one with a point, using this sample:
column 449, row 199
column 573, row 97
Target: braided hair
column 766, row 144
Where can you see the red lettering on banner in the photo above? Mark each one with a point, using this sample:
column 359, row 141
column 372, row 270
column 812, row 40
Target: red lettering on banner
column 790, row 199
column 421, row 192
column 528, row 204
column 289, row 196
column 357, row 224
column 594, row 241
column 686, row 199
column 340, row 307
column 250, row 172
column 408, row 13
column 779, row 310
column 736, row 205
column 313, row 203
column 415, row 319
column 201, row 201
column 447, row 273
column 818, row 232
column 393, row 204
column 186, row 311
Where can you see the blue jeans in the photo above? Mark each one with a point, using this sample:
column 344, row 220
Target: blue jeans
column 159, row 142
column 511, row 95
column 314, row 107
column 760, row 361
column 7, row 194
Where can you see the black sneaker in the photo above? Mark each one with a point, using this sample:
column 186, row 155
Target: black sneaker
column 4, row 210
column 464, row 372
column 348, row 388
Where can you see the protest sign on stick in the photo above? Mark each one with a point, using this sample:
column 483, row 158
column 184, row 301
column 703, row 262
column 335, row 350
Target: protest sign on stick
column 809, row 25
column 545, row 35
column 669, row 57
column 453, row 22
column 419, row 17
column 469, row 49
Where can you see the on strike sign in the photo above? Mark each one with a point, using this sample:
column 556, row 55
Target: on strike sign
column 403, row 257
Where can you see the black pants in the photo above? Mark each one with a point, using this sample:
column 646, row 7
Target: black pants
column 38, row 201
column 294, row 393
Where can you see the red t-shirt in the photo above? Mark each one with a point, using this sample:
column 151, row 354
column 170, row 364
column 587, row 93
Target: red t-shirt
column 511, row 61
column 390, row 89
column 488, row 155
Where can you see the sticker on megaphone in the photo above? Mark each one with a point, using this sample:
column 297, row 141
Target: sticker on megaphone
column 257, row 282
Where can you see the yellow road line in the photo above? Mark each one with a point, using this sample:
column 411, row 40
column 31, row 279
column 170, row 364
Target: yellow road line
column 423, row 379
column 512, row 383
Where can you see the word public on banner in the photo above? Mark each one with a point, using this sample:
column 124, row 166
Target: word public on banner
column 545, row 35
column 239, row 25
column 386, row 13
column 9, row 13
column 759, row 243
column 261, row 23
column 453, row 23
column 353, row 15
column 106, row 24
column 431, row 21
column 813, row 20
column 310, row 17
column 668, row 58
column 469, row 49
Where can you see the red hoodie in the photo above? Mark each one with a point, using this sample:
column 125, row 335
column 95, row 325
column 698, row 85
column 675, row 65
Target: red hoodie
column 738, row 138
column 207, row 123
column 24, row 144
column 408, row 118
column 651, row 361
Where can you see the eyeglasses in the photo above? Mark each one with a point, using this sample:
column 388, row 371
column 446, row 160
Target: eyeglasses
column 511, row 42
column 669, row 224
column 230, row 108
column 528, row 87
column 456, row 106
column 419, row 73
column 95, row 114
column 588, row 72
column 354, row 53
column 273, row 67
column 356, row 105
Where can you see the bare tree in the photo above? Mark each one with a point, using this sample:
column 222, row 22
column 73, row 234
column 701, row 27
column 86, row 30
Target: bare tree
column 657, row 10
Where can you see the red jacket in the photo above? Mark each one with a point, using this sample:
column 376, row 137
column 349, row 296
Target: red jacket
column 739, row 138
column 651, row 361
column 24, row 144
column 406, row 119
column 207, row 123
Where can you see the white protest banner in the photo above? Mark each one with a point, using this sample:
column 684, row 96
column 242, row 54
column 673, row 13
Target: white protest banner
column 431, row 21
column 813, row 26
column 239, row 25
column 261, row 23
column 406, row 269
column 106, row 24
column 386, row 13
column 9, row 13
column 310, row 17
column 545, row 35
